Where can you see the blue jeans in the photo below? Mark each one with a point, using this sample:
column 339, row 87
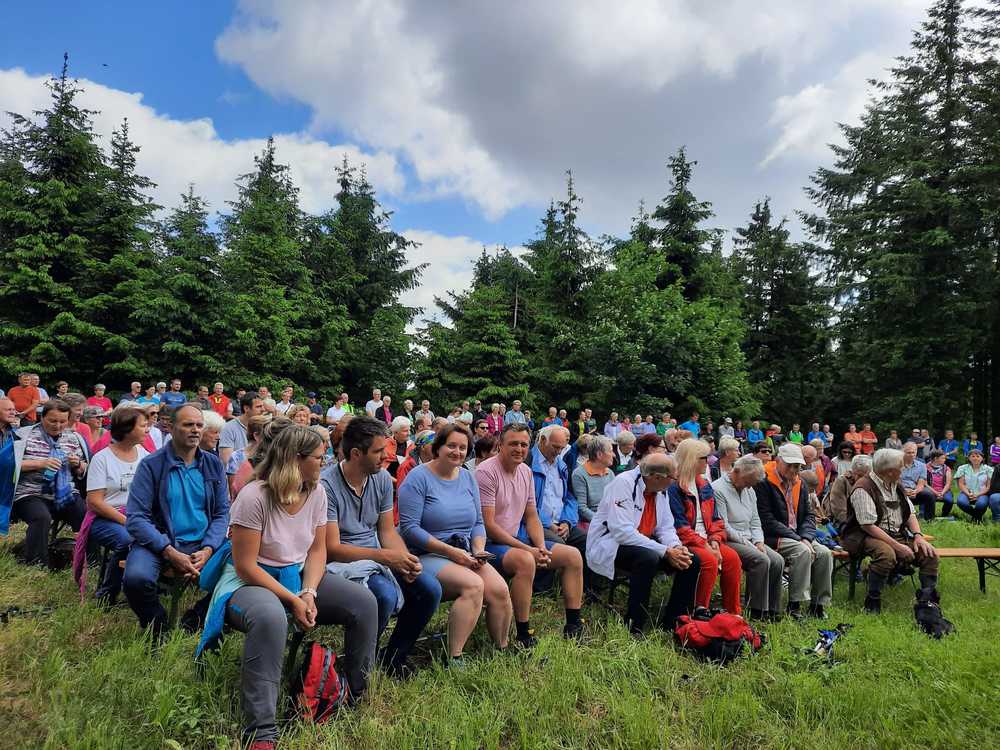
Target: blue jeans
column 977, row 510
column 111, row 534
column 420, row 601
column 141, row 584
column 995, row 504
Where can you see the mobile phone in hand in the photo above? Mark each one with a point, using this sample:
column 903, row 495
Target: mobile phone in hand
column 484, row 555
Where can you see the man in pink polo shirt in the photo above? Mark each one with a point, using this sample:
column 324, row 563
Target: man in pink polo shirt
column 515, row 535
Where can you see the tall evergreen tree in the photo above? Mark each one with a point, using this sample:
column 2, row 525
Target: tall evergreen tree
column 785, row 312
column 896, row 232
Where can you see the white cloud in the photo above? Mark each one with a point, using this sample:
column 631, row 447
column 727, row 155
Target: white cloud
column 175, row 153
column 492, row 101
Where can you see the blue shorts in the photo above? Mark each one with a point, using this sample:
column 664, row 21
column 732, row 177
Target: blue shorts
column 502, row 549
column 432, row 563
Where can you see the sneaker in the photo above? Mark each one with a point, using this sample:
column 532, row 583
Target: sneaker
column 873, row 605
column 795, row 611
column 817, row 612
column 574, row 631
column 262, row 745
column 528, row 642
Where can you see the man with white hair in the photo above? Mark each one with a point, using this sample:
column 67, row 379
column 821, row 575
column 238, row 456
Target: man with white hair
column 840, row 491
column 633, row 531
column 557, row 506
column 789, row 526
column 514, row 415
column 882, row 525
column 737, row 503
column 374, row 403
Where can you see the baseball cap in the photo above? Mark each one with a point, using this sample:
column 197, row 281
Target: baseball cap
column 790, row 453
column 311, row 394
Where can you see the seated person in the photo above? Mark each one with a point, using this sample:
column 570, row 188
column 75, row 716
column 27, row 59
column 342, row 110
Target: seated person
column 737, row 505
column 515, row 535
column 882, row 525
column 624, row 444
column 277, row 568
column 108, row 480
column 974, row 485
column 939, row 476
column 633, row 531
column 557, row 507
column 826, row 533
column 485, row 447
column 700, row 527
column 441, row 520
column 914, row 480
column 835, row 503
column 177, row 513
column 363, row 545
column 49, row 458
column 789, row 526
column 591, row 477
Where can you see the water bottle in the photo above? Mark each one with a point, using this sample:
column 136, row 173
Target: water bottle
column 49, row 474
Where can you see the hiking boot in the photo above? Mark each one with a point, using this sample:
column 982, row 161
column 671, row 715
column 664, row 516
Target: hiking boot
column 795, row 611
column 526, row 642
column 816, row 611
column 873, row 605
column 757, row 614
column 573, row 631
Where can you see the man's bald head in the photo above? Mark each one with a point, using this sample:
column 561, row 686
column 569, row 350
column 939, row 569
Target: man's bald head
column 8, row 412
column 658, row 470
column 809, row 454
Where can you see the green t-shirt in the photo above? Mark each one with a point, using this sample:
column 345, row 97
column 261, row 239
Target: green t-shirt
column 795, row 437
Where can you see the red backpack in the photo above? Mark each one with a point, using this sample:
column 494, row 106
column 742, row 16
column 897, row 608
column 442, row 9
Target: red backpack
column 318, row 689
column 717, row 637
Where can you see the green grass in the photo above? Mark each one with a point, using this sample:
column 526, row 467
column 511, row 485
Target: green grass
column 76, row 677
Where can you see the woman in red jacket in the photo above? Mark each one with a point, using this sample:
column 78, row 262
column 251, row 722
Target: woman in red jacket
column 701, row 528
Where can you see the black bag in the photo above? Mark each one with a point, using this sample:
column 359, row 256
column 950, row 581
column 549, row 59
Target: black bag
column 927, row 611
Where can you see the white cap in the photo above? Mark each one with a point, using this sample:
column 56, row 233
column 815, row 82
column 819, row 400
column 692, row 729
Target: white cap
column 791, row 453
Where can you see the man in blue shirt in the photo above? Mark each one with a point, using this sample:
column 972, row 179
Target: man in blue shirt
column 178, row 514
column 972, row 443
column 514, row 415
column 173, row 398
column 950, row 447
column 815, row 433
column 755, row 434
column 692, row 425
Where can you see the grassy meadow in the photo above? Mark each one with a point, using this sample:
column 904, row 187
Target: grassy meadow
column 73, row 676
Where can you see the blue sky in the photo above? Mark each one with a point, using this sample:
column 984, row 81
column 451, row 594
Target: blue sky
column 467, row 115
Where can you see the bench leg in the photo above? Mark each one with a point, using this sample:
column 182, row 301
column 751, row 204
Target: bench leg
column 981, row 564
column 176, row 592
column 852, row 574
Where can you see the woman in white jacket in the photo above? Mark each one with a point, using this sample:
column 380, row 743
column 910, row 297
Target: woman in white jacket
column 633, row 531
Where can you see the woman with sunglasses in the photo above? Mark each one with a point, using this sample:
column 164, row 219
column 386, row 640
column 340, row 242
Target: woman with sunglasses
column 845, row 454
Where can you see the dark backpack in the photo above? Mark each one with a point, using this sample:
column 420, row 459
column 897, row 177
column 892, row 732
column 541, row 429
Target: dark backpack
column 927, row 611
column 317, row 687
column 718, row 637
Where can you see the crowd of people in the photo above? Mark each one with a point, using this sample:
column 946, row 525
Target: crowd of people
column 291, row 514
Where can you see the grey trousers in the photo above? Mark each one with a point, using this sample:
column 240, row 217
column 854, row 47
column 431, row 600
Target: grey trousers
column 763, row 571
column 808, row 577
column 259, row 613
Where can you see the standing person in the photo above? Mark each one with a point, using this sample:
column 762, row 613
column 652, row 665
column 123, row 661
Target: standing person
column 828, row 438
column 726, row 429
column 995, row 451
column 494, row 421
column 315, row 409
column 10, row 460
column 633, row 531
column 477, row 411
column 869, row 440
column 202, row 398
column 755, row 434
column 700, row 526
column 174, row 397
column 796, row 436
column 161, row 389
column 101, row 401
column 692, row 425
column 49, row 458
column 408, row 411
column 93, row 416
column 234, row 435
column 591, row 478
column 276, row 569
column 516, row 537
column 928, row 442
column 426, row 413
column 789, row 525
column 853, row 437
column 612, row 428
column 339, row 409
column 893, row 441
column 285, row 403
column 26, row 398
column 737, row 503
column 740, row 433
column 374, row 402
column 149, row 396
column 177, row 514
column 516, row 415
column 237, row 410
column 949, row 445
column 220, row 402
column 108, row 481
column 363, row 545
column 384, row 412
column 134, row 394
column 815, row 433
column 973, row 485
column 440, row 517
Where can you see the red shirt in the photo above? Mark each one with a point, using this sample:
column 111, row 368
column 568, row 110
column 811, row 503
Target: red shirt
column 220, row 404
column 24, row 397
column 647, row 522
column 869, row 447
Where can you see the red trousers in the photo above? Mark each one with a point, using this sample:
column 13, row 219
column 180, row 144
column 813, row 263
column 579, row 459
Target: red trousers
column 732, row 574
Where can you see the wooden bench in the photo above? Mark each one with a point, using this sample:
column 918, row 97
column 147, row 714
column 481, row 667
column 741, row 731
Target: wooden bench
column 987, row 560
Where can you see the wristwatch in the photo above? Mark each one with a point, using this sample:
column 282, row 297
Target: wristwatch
column 307, row 591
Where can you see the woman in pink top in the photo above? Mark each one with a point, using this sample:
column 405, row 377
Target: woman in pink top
column 99, row 399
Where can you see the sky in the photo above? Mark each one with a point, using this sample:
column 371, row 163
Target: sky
column 466, row 116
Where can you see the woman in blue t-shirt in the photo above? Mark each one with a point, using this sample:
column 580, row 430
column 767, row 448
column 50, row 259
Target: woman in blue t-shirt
column 441, row 520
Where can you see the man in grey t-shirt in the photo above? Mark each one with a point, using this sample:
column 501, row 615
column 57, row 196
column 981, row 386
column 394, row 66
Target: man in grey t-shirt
column 362, row 541
column 234, row 435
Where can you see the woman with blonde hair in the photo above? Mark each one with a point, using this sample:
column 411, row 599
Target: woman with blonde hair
column 299, row 414
column 701, row 528
column 277, row 568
